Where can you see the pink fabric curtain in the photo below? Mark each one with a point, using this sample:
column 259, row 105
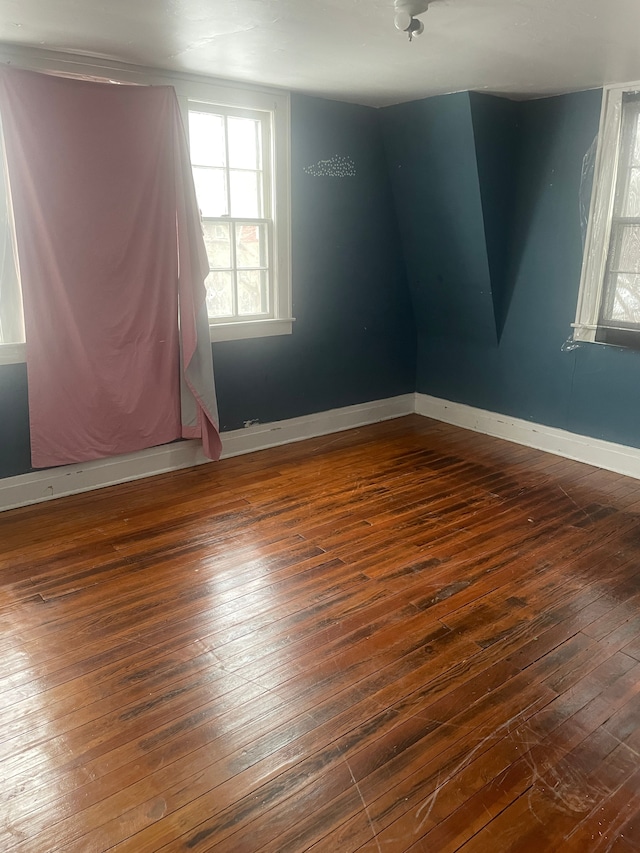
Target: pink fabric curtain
column 111, row 254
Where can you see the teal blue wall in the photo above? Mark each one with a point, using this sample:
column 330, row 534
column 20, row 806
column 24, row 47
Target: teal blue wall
column 496, row 134
column 432, row 164
column 590, row 390
column 15, row 452
column 353, row 339
column 525, row 191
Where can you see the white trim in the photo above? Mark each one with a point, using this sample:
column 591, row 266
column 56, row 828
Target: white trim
column 12, row 353
column 250, row 329
column 598, row 234
column 73, row 479
column 16, row 353
column 593, row 451
column 599, row 223
column 281, row 204
column 53, row 483
column 262, row 436
column 97, row 67
column 274, row 110
column 40, row 486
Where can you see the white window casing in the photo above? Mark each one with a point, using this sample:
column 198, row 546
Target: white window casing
column 595, row 275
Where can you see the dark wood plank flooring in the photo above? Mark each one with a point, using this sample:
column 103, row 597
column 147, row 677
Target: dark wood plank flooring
column 405, row 637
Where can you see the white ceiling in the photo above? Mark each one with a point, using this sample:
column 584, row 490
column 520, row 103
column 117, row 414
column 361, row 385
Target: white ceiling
column 349, row 49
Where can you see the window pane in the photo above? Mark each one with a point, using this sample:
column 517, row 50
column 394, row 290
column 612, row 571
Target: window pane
column 244, row 135
column 206, row 139
column 631, row 204
column 251, row 292
column 246, row 195
column 626, row 299
column 626, row 249
column 219, row 294
column 211, row 191
column 250, row 246
column 217, row 239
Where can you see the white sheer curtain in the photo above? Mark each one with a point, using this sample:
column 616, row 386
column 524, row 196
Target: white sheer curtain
column 11, row 314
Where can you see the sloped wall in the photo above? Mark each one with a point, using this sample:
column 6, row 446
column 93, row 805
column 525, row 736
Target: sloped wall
column 496, row 133
column 432, row 163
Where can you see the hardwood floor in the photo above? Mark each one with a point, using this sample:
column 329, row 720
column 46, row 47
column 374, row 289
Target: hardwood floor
column 405, row 637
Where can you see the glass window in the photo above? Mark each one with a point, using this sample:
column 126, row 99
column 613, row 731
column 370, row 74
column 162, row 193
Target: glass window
column 609, row 302
column 232, row 174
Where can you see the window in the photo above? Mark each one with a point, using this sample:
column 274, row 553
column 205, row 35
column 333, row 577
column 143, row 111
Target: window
column 609, row 303
column 239, row 143
column 230, row 158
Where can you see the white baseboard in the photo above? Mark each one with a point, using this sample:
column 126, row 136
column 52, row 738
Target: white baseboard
column 262, row 436
column 72, row 479
column 594, row 451
column 53, row 483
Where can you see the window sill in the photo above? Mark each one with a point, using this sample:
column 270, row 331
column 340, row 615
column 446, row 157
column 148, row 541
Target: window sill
column 625, row 338
column 12, row 353
column 584, row 333
column 16, row 353
column 250, row 329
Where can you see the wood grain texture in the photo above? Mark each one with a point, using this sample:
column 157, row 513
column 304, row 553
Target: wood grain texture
column 405, row 637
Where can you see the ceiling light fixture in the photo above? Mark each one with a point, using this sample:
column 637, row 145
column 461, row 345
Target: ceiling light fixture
column 406, row 18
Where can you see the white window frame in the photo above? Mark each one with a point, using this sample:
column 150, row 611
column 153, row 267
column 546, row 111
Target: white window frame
column 598, row 235
column 209, row 91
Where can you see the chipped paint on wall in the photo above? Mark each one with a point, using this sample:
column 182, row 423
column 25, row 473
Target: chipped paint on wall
column 335, row 167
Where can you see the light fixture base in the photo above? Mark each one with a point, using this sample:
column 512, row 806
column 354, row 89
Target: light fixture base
column 413, row 7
